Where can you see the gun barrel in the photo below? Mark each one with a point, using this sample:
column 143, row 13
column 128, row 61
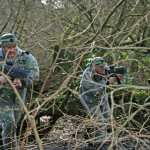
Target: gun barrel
column 14, row 72
column 121, row 70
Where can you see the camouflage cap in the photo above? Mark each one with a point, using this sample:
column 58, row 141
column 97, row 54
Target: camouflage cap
column 98, row 61
column 8, row 38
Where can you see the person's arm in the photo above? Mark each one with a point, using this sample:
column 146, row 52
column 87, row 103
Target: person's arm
column 112, row 79
column 32, row 69
column 17, row 82
column 3, row 80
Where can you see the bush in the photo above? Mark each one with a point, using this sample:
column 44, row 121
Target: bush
column 132, row 102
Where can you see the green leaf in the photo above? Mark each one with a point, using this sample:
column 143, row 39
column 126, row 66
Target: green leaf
column 124, row 53
column 133, row 11
column 139, row 65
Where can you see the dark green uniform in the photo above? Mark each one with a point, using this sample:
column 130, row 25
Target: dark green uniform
column 10, row 108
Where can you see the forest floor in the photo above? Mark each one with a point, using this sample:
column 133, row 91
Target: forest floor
column 67, row 134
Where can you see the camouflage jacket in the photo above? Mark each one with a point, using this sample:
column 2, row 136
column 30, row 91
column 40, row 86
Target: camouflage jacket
column 92, row 86
column 25, row 62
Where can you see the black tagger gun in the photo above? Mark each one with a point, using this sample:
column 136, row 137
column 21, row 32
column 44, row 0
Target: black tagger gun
column 14, row 72
column 113, row 72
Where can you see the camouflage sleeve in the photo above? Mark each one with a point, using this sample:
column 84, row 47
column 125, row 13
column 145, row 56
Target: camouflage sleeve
column 32, row 70
column 90, row 86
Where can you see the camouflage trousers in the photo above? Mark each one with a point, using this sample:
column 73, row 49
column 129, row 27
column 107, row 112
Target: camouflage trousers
column 100, row 113
column 9, row 118
column 10, row 114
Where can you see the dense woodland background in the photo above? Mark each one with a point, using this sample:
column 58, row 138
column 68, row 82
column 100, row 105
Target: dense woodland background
column 64, row 35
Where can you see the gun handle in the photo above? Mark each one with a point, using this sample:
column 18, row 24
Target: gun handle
column 118, row 80
column 12, row 78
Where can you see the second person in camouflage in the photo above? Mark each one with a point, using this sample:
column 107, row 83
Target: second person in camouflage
column 93, row 95
column 10, row 108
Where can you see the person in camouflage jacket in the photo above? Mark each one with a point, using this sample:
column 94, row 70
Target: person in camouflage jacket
column 10, row 107
column 93, row 95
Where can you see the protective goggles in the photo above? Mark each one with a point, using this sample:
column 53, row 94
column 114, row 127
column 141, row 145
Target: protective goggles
column 100, row 63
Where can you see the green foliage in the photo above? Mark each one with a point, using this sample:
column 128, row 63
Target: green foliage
column 127, row 80
column 138, row 96
column 128, row 102
column 145, row 59
column 139, row 65
column 133, row 11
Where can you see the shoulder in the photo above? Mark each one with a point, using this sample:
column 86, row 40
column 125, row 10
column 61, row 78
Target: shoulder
column 26, row 54
column 87, row 73
column 30, row 57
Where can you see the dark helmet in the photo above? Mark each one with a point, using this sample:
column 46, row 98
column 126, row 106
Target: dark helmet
column 8, row 38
